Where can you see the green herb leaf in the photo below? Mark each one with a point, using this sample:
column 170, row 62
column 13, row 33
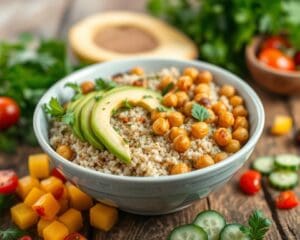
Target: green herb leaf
column 104, row 85
column 167, row 89
column 68, row 118
column 54, row 108
column 199, row 112
column 126, row 104
column 12, row 233
column 161, row 109
column 77, row 90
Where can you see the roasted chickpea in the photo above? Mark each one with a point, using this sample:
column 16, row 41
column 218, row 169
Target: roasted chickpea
column 219, row 107
column 87, row 86
column 199, row 96
column 239, row 111
column 233, row 146
column 241, row 134
column 140, row 83
column 236, row 100
column 202, row 88
column 191, row 72
column 181, row 143
column 203, row 161
column 160, row 126
column 199, row 129
column 175, row 119
column 225, row 119
column 165, row 81
column 65, row 151
column 176, row 131
column 187, row 109
column 182, row 98
column 170, row 100
column 205, row 102
column 220, row 156
column 137, row 71
column 184, row 83
column 204, row 77
column 179, row 168
column 212, row 117
column 222, row 136
column 241, row 122
column 156, row 114
column 227, row 90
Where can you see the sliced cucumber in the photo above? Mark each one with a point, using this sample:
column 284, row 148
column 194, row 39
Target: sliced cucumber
column 233, row 232
column 188, row 232
column 287, row 161
column 212, row 222
column 264, row 165
column 283, row 179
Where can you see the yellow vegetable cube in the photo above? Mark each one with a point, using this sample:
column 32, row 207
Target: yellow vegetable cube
column 33, row 196
column 26, row 184
column 282, row 125
column 42, row 224
column 72, row 219
column 23, row 216
column 53, row 185
column 103, row 217
column 64, row 205
column 46, row 206
column 38, row 165
column 55, row 231
column 78, row 199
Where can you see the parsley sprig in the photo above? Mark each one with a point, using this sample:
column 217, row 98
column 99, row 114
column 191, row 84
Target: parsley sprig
column 77, row 90
column 199, row 112
column 167, row 89
column 104, row 85
column 11, row 233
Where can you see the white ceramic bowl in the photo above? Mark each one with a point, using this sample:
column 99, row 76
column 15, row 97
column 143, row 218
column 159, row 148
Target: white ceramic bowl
column 150, row 195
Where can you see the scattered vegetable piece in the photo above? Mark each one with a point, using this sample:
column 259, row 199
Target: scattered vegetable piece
column 53, row 185
column 26, row 184
column 55, row 231
column 233, row 232
column 103, row 217
column 287, row 200
column 46, row 206
column 23, row 216
column 250, row 182
column 9, row 112
column 38, row 165
column 33, row 196
column 8, row 181
column 264, row 165
column 287, row 162
column 78, row 199
column 188, row 231
column 281, row 125
column 75, row 236
column 42, row 224
column 72, row 219
column 283, row 179
column 11, row 233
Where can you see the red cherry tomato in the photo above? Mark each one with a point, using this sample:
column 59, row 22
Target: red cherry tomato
column 297, row 58
column 277, row 42
column 75, row 236
column 25, row 238
column 276, row 59
column 8, row 181
column 9, row 112
column 287, row 200
column 250, row 182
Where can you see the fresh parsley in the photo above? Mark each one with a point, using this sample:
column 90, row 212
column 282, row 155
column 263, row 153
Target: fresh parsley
column 11, row 233
column 167, row 88
column 126, row 104
column 104, row 85
column 161, row 109
column 77, row 90
column 199, row 112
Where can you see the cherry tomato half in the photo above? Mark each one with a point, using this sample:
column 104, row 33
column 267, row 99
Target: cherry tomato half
column 8, row 181
column 25, row 238
column 277, row 42
column 9, row 112
column 287, row 200
column 276, row 59
column 75, row 236
column 57, row 173
column 250, row 182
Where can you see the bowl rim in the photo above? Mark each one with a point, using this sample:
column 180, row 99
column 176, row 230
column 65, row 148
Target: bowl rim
column 151, row 179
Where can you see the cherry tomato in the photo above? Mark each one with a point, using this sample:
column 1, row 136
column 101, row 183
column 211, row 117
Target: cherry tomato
column 8, row 181
column 297, row 58
column 276, row 59
column 277, row 42
column 250, row 182
column 9, row 112
column 75, row 236
column 57, row 173
column 287, row 200
column 25, row 238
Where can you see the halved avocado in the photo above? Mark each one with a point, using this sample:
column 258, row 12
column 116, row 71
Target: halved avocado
column 111, row 101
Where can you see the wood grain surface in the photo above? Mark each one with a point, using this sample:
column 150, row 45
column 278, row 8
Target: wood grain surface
column 53, row 18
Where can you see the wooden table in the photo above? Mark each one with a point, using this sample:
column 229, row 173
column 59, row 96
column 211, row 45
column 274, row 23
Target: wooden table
column 53, row 18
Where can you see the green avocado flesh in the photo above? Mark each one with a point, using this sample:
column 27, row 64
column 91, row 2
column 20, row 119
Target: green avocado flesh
column 111, row 101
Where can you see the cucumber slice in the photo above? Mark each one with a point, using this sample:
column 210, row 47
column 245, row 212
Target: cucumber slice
column 233, row 232
column 287, row 161
column 212, row 222
column 265, row 165
column 283, row 179
column 188, row 232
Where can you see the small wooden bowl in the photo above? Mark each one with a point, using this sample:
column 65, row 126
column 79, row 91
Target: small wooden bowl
column 276, row 81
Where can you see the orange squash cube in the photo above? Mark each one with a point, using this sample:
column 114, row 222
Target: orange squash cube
column 46, row 206
column 26, row 184
column 72, row 220
column 23, row 216
column 33, row 196
column 53, row 185
column 42, row 224
column 78, row 199
column 55, row 231
column 282, row 125
column 39, row 165
column 103, row 217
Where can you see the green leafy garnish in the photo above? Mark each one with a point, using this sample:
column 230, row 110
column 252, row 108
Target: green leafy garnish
column 12, row 233
column 167, row 88
column 258, row 226
column 68, row 118
column 126, row 104
column 199, row 112
column 161, row 109
column 147, row 96
column 104, row 85
column 76, row 88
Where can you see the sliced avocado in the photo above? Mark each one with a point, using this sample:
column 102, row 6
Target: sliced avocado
column 111, row 101
column 85, row 120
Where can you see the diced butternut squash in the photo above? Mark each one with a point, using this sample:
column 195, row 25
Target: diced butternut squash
column 53, row 185
column 23, row 216
column 103, row 217
column 64, row 205
column 78, row 199
column 282, row 125
column 55, row 231
column 42, row 224
column 38, row 165
column 26, row 184
column 72, row 220
column 46, row 206
column 33, row 196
